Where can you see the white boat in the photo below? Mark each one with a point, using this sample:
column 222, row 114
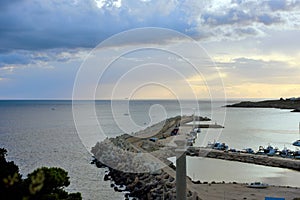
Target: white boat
column 258, row 185
column 297, row 143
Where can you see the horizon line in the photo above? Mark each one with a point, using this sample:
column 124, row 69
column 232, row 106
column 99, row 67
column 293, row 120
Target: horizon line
column 125, row 99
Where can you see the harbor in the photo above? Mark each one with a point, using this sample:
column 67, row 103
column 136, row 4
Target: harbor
column 160, row 144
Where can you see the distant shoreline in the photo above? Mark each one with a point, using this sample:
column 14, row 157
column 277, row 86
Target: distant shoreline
column 292, row 104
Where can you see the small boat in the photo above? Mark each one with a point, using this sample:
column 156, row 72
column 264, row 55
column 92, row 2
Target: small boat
column 258, row 185
column 286, row 153
column 271, row 152
column 261, row 151
column 248, row 150
column 297, row 143
column 296, row 154
column 220, row 146
column 269, row 149
column 190, row 142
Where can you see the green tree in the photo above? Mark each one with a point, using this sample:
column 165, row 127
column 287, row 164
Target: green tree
column 42, row 184
column 10, row 178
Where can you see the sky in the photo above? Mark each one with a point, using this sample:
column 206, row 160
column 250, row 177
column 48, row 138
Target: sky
column 105, row 49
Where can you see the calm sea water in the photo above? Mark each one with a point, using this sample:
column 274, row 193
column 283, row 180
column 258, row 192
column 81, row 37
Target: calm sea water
column 43, row 133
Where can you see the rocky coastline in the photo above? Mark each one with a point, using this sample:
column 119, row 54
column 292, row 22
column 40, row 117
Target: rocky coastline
column 142, row 185
column 281, row 103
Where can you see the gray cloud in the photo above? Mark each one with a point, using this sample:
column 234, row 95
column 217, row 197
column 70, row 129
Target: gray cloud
column 65, row 24
column 282, row 5
column 244, row 69
column 70, row 24
column 25, row 57
column 244, row 15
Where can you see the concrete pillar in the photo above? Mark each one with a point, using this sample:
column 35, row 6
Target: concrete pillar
column 180, row 170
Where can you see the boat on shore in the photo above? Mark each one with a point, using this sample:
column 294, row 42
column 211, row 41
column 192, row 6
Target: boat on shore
column 258, row 185
column 218, row 146
column 297, row 154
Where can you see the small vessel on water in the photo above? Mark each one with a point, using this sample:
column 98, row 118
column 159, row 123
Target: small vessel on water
column 258, row 185
column 297, row 143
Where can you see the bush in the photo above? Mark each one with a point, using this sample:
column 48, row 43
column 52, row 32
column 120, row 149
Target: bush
column 42, row 184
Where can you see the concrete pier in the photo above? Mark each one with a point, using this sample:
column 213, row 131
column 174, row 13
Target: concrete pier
column 181, row 169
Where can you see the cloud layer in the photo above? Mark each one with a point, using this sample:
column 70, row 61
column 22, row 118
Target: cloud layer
column 39, row 25
column 251, row 36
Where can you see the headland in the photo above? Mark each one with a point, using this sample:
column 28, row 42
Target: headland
column 289, row 103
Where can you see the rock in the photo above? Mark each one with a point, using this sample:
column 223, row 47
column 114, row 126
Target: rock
column 196, row 182
column 166, row 176
column 170, row 185
column 106, row 177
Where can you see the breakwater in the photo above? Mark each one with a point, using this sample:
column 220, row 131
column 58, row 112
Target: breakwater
column 265, row 160
column 139, row 165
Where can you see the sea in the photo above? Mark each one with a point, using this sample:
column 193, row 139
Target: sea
column 61, row 133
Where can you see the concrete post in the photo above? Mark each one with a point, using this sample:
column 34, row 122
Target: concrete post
column 180, row 170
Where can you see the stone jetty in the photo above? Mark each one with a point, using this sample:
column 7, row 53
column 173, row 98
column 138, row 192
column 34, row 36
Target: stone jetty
column 140, row 166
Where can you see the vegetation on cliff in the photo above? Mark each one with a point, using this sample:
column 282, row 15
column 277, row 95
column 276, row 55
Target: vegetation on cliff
column 281, row 103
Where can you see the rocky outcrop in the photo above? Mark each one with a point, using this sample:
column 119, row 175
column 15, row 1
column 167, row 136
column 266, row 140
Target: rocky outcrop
column 281, row 103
